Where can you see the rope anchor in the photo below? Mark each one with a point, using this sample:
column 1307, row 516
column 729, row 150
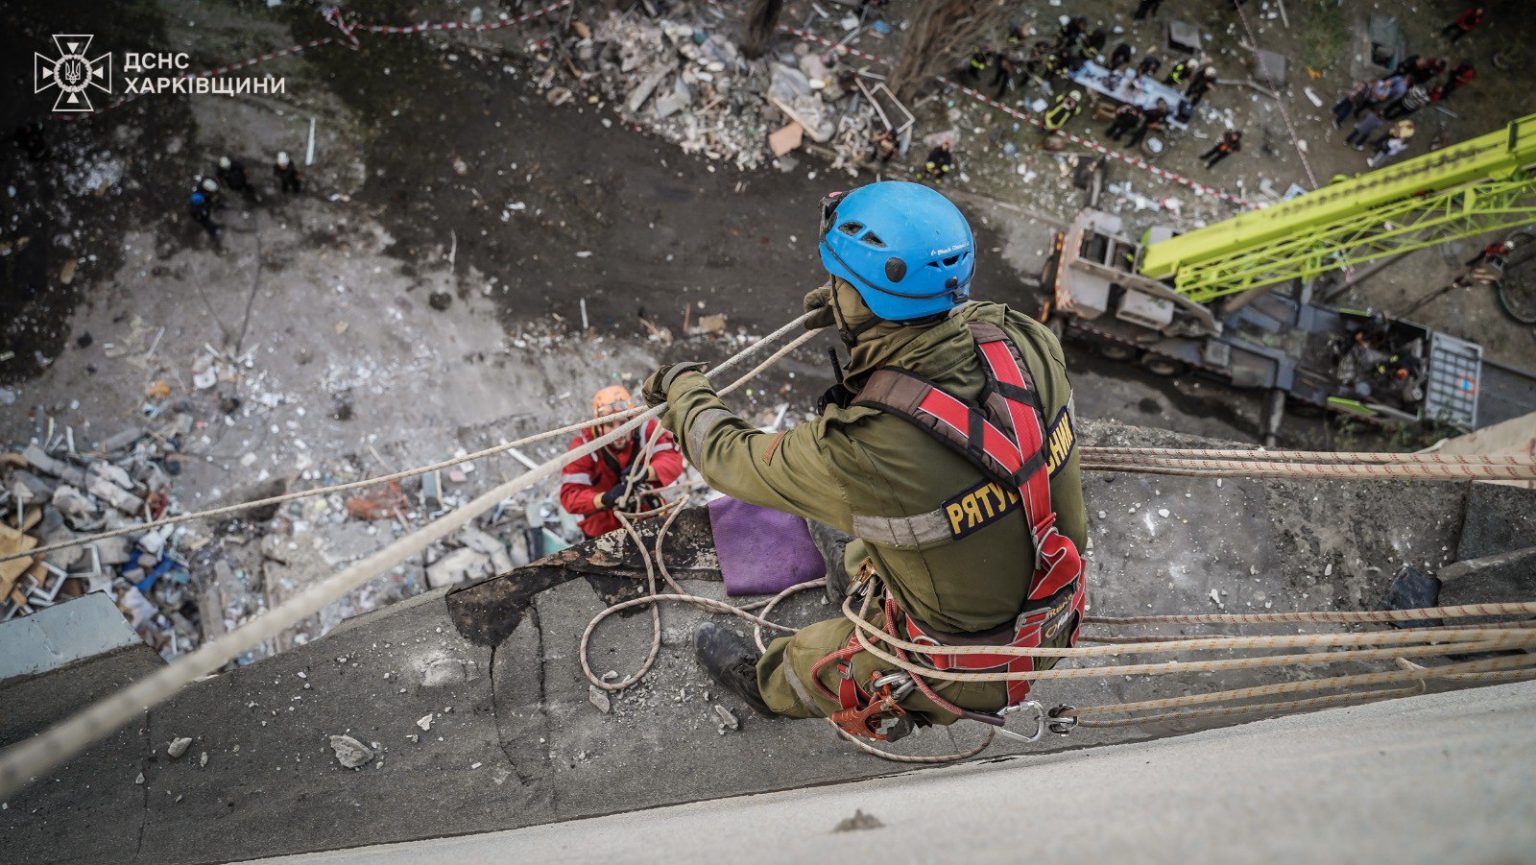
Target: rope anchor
column 1063, row 719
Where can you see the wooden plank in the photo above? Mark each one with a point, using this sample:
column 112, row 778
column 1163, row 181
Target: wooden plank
column 12, row 541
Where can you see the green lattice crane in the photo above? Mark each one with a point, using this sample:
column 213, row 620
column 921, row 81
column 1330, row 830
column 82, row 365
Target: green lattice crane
column 1478, row 186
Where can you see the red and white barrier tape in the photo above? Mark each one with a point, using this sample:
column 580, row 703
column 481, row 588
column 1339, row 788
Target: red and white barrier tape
column 427, row 27
column 1189, row 183
column 348, row 30
column 812, row 37
column 1186, row 182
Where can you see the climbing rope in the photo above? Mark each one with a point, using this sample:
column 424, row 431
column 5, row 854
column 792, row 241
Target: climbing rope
column 494, row 450
column 32, row 757
column 1524, row 608
column 1280, row 707
column 1194, row 462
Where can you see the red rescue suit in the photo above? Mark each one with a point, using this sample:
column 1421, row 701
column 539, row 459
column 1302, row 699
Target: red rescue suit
column 586, row 479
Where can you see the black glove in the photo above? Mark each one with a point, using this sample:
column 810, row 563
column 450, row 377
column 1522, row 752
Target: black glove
column 612, row 496
column 819, row 301
column 655, row 388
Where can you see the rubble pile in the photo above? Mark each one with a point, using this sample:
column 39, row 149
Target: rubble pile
column 181, row 585
column 693, row 87
column 55, row 489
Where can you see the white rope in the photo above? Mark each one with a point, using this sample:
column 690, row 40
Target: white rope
column 412, row 472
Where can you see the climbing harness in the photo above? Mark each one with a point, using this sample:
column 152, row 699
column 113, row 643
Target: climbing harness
column 1004, row 435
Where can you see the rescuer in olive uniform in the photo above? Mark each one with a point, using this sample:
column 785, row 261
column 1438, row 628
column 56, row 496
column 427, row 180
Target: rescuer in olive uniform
column 948, row 541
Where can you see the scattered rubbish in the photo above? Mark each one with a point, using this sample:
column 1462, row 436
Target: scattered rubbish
column 380, row 503
column 178, row 747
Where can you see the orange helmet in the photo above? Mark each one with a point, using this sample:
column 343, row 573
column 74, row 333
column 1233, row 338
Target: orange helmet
column 611, row 400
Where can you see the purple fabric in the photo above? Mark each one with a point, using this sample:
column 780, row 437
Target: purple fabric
column 762, row 551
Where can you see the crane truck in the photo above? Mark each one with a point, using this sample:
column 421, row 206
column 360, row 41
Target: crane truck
column 1234, row 301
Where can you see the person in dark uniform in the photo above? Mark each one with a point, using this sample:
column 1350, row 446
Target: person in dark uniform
column 287, row 173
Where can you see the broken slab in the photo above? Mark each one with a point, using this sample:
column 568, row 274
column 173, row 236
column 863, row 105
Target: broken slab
column 70, row 474
column 457, row 566
column 123, row 440
column 1183, row 36
column 475, row 539
column 62, row 634
column 1269, row 67
column 669, row 104
column 99, row 486
column 73, row 504
column 647, row 86
column 783, row 140
column 351, row 753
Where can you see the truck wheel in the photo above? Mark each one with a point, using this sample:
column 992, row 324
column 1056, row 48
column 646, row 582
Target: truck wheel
column 1116, row 351
column 1163, row 366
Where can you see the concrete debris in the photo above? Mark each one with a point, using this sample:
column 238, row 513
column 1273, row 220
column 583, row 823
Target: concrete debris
column 351, row 753
column 441, row 672
column 599, row 698
column 425, row 722
column 501, row 560
column 786, row 139
column 202, row 759
column 178, row 747
column 457, row 566
column 73, row 504
column 857, row 822
column 727, row 718
column 688, row 83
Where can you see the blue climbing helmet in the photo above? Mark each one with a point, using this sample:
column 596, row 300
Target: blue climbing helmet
column 198, row 198
column 904, row 247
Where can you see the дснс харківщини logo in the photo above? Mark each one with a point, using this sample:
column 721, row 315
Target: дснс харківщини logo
column 72, row 72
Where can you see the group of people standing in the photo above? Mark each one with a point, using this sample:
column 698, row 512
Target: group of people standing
column 208, row 192
column 1380, row 108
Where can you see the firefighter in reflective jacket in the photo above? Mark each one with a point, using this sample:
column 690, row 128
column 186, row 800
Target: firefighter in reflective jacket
column 595, row 485
column 1066, row 107
column 945, row 538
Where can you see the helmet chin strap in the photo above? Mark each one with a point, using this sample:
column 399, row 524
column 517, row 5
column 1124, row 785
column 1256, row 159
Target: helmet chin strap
column 849, row 335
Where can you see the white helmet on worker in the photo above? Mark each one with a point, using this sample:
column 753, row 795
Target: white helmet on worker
column 223, row 161
column 282, row 158
column 209, row 185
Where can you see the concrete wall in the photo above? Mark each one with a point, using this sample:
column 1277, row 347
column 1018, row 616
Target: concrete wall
column 62, row 634
column 1433, row 779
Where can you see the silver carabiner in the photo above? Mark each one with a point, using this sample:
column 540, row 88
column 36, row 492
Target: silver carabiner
column 1039, row 721
column 901, row 685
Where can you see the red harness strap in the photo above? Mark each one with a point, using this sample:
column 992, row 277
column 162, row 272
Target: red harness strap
column 1004, row 436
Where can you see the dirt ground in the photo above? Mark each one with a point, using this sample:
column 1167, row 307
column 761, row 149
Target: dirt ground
column 561, row 238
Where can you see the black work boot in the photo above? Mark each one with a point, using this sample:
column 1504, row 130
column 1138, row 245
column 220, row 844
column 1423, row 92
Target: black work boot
column 731, row 661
